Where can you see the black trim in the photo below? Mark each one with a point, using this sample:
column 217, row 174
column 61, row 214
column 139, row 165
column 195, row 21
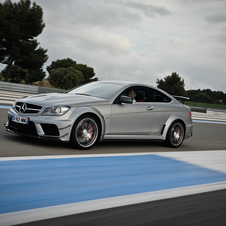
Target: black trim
column 163, row 128
column 50, row 129
column 24, row 129
column 6, row 127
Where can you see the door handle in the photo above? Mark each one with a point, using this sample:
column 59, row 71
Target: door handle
column 150, row 108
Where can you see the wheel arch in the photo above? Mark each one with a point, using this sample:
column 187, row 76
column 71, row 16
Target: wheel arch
column 172, row 120
column 81, row 111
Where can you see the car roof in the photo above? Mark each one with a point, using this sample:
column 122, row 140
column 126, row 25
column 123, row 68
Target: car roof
column 123, row 82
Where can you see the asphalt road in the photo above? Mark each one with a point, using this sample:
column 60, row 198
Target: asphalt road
column 207, row 209
column 205, row 137
column 202, row 209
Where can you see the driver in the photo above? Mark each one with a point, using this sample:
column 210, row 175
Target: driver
column 132, row 94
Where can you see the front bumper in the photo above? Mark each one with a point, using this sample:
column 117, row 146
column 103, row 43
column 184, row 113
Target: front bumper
column 31, row 134
column 50, row 128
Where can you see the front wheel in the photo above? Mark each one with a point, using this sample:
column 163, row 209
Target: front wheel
column 85, row 132
column 175, row 135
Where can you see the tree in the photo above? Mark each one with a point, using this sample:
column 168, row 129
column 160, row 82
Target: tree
column 1, row 77
column 192, row 93
column 71, row 79
column 20, row 23
column 17, row 74
column 87, row 72
column 202, row 97
column 218, row 97
column 56, row 75
column 64, row 63
column 208, row 96
column 32, row 58
column 172, row 84
column 65, row 78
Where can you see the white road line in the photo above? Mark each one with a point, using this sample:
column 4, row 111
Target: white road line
column 214, row 160
column 73, row 156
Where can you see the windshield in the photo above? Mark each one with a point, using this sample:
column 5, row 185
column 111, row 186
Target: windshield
column 97, row 89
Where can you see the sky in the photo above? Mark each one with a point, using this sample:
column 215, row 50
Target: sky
column 140, row 40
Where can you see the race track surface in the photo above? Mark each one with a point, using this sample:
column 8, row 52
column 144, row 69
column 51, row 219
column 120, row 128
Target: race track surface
column 116, row 182
column 206, row 136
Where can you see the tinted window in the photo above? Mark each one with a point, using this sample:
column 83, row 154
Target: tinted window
column 159, row 96
column 141, row 94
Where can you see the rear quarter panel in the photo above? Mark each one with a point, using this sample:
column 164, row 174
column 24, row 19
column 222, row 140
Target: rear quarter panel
column 167, row 113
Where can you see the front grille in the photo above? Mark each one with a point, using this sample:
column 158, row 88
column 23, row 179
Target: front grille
column 26, row 129
column 27, row 108
column 50, row 129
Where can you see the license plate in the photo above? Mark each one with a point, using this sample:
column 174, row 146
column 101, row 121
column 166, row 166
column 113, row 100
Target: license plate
column 19, row 119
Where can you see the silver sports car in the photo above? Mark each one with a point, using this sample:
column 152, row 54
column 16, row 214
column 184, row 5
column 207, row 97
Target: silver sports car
column 102, row 110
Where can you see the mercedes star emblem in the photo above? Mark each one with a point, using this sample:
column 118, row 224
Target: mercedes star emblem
column 23, row 108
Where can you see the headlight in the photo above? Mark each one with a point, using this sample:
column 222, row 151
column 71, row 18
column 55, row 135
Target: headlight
column 57, row 110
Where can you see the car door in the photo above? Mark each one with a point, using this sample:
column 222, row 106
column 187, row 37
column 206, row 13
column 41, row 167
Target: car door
column 133, row 119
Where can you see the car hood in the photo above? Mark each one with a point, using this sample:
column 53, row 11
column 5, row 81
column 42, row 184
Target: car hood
column 59, row 99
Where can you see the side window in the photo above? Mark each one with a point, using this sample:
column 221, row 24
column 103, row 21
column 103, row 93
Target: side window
column 141, row 94
column 158, row 96
column 137, row 94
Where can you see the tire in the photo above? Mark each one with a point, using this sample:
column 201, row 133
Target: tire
column 85, row 132
column 175, row 135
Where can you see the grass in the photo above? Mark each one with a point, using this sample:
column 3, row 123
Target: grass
column 205, row 105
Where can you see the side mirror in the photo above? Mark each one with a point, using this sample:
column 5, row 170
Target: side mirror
column 125, row 99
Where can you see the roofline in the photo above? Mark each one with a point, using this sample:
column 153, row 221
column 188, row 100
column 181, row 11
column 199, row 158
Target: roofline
column 124, row 82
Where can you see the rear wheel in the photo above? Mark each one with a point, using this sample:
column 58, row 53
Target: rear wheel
column 85, row 132
column 175, row 135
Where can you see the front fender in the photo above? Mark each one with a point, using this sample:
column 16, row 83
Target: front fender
column 89, row 110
